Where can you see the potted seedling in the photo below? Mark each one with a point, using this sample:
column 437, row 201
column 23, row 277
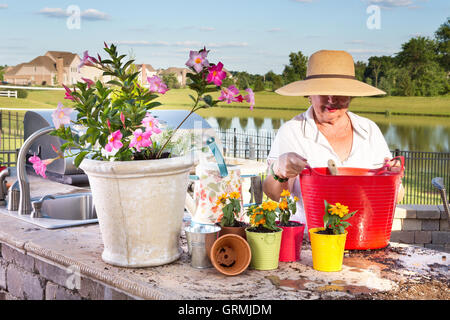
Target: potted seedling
column 292, row 237
column 229, row 220
column 263, row 236
column 328, row 243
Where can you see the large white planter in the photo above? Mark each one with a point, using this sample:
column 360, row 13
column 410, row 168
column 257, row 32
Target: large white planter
column 140, row 207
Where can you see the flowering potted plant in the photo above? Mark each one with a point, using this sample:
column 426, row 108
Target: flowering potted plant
column 292, row 237
column 231, row 209
column 138, row 182
column 328, row 243
column 264, row 237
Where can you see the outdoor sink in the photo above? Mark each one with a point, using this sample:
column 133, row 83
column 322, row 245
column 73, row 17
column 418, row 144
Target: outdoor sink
column 69, row 207
column 63, row 211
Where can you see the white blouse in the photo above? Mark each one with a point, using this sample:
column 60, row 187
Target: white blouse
column 301, row 135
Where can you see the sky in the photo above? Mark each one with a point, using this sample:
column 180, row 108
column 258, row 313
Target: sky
column 245, row 35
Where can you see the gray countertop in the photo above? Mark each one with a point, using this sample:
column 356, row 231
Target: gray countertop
column 372, row 274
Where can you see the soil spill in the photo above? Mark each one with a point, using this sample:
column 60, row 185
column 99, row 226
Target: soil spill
column 319, row 286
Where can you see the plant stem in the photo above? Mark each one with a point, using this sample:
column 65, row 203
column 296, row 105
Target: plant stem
column 173, row 133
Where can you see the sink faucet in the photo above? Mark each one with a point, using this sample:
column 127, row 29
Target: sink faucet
column 37, row 206
column 24, row 186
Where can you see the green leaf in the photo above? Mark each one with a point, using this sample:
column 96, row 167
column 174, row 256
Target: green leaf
column 80, row 158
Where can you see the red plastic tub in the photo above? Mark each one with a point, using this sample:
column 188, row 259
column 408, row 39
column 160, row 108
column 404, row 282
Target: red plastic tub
column 372, row 192
column 291, row 243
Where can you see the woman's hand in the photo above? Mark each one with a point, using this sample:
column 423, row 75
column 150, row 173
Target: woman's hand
column 289, row 165
column 395, row 165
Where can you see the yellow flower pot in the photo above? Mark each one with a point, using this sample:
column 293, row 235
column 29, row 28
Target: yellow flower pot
column 327, row 250
column 265, row 249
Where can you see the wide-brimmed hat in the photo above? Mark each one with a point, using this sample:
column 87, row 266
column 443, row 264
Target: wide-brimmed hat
column 330, row 72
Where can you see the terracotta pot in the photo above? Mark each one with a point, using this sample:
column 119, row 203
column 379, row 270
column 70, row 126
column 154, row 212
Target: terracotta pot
column 240, row 231
column 231, row 254
column 140, row 208
column 291, row 242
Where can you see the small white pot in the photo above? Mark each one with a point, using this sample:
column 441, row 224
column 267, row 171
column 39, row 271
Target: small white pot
column 140, row 208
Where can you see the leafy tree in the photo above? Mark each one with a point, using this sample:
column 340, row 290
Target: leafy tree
column 442, row 36
column 2, row 71
column 296, row 70
column 360, row 69
column 259, row 85
column 171, row 81
column 378, row 67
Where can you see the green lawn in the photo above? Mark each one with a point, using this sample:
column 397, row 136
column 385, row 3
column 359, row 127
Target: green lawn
column 179, row 98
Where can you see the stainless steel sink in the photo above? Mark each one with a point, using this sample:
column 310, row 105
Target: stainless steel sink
column 62, row 211
column 69, row 207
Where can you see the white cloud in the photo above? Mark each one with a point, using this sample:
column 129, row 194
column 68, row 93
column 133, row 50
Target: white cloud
column 389, row 4
column 3, row 6
column 304, row 1
column 88, row 14
column 357, row 42
column 183, row 44
column 371, row 51
column 227, row 45
column 274, row 30
column 93, row 14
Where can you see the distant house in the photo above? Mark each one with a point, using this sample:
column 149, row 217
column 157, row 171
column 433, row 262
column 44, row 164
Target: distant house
column 180, row 74
column 146, row 71
column 53, row 68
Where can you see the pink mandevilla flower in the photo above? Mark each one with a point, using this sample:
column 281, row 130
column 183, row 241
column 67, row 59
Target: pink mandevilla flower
column 39, row 166
column 88, row 81
column 229, row 93
column 140, row 139
column 216, row 74
column 197, row 60
column 68, row 94
column 151, row 123
column 86, row 61
column 250, row 97
column 157, row 85
column 61, row 115
column 114, row 141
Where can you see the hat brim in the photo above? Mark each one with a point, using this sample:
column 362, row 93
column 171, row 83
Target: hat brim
column 329, row 86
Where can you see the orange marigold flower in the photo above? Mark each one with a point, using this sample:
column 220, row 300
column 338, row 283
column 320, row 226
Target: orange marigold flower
column 269, row 205
column 283, row 205
column 235, row 195
column 285, row 193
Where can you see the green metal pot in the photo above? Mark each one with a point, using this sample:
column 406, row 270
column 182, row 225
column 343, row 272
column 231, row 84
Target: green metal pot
column 265, row 249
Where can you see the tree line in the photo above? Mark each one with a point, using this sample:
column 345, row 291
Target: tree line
column 421, row 68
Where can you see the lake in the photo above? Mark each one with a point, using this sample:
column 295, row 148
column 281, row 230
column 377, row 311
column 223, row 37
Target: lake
column 410, row 133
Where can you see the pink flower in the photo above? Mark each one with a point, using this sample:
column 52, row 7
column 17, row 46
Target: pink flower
column 114, row 141
column 68, row 94
column 61, row 116
column 197, row 60
column 88, row 81
column 86, row 61
column 216, row 74
column 250, row 97
column 39, row 166
column 229, row 93
column 151, row 124
column 122, row 118
column 157, row 85
column 141, row 139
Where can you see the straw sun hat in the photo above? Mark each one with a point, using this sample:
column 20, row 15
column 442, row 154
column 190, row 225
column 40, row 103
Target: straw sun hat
column 330, row 73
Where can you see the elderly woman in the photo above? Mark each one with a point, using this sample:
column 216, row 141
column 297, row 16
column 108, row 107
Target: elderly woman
column 327, row 130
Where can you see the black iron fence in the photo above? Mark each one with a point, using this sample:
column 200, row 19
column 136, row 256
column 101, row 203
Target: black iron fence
column 11, row 136
column 420, row 167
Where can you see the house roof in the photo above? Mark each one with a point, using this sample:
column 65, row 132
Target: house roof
column 48, row 61
column 68, row 57
column 148, row 66
column 174, row 70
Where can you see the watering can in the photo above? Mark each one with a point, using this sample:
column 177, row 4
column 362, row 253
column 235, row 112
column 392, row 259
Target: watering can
column 212, row 179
